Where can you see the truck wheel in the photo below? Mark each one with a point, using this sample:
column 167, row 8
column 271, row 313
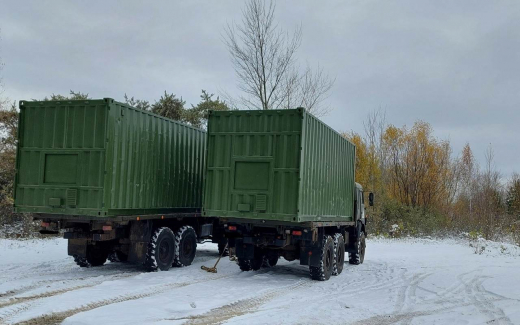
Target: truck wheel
column 339, row 254
column 96, row 256
column 359, row 256
column 223, row 250
column 255, row 263
column 323, row 272
column 161, row 250
column 270, row 259
column 81, row 261
column 117, row 256
column 185, row 246
column 245, row 264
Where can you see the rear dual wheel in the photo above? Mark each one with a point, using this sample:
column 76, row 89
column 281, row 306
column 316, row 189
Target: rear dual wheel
column 96, row 256
column 167, row 249
column 270, row 259
column 185, row 246
column 252, row 264
column 262, row 258
column 161, row 250
column 117, row 256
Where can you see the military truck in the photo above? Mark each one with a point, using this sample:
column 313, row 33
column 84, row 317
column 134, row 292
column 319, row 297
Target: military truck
column 282, row 183
column 121, row 183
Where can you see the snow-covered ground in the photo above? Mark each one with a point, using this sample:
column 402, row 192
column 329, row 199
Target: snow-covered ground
column 401, row 282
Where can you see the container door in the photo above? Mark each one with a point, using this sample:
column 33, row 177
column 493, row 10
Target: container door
column 251, row 184
column 61, row 157
column 253, row 164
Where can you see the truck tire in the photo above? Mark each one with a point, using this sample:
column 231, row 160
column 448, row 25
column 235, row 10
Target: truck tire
column 185, row 246
column 324, row 271
column 270, row 259
column 117, row 256
column 161, row 250
column 339, row 254
column 359, row 256
column 223, row 250
column 247, row 264
column 252, row 264
column 96, row 256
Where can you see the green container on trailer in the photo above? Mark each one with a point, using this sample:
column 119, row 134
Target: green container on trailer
column 281, row 165
column 102, row 158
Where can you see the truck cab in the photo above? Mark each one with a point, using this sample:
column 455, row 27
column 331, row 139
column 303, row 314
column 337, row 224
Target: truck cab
column 359, row 203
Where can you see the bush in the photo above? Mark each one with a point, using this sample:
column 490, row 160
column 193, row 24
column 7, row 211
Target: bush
column 17, row 225
column 397, row 220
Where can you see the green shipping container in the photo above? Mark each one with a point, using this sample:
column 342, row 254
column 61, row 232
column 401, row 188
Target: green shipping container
column 102, row 158
column 283, row 165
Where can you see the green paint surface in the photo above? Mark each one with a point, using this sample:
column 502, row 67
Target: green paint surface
column 104, row 158
column 282, row 165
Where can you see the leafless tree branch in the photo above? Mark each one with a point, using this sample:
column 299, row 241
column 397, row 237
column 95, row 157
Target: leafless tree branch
column 263, row 56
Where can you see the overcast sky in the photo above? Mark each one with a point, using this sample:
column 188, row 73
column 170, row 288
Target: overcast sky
column 454, row 64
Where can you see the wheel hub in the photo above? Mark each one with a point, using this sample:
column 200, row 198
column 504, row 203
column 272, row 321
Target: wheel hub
column 164, row 250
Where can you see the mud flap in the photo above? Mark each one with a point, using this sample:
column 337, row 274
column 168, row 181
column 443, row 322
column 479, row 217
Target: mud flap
column 137, row 252
column 140, row 234
column 77, row 247
column 314, row 257
column 206, row 230
column 246, row 251
column 351, row 237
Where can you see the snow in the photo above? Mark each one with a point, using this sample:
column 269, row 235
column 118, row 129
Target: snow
column 402, row 281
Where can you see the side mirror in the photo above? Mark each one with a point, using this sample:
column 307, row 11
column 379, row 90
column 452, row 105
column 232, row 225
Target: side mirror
column 371, row 199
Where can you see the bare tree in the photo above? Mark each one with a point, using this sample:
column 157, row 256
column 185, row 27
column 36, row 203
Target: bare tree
column 263, row 56
column 375, row 126
column 310, row 89
column 1, row 68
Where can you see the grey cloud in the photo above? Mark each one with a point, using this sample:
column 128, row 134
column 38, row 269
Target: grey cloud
column 454, row 64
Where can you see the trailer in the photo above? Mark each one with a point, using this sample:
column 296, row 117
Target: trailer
column 283, row 184
column 121, row 183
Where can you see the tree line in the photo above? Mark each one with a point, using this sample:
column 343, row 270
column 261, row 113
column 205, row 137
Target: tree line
column 423, row 188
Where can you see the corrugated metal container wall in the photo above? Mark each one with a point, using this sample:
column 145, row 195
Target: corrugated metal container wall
column 104, row 158
column 270, row 165
column 327, row 173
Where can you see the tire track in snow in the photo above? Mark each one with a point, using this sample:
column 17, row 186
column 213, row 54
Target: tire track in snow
column 46, row 294
column 484, row 304
column 68, row 274
column 43, row 283
column 388, row 319
column 26, row 302
column 456, row 287
column 38, row 269
column 350, row 290
column 58, row 317
column 240, row 307
column 401, row 295
column 410, row 298
column 473, row 292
